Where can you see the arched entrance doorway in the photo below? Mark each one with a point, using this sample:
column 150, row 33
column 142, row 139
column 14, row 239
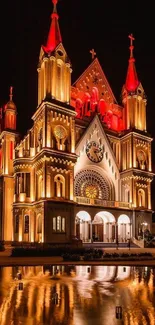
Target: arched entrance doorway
column 103, row 227
column 124, row 228
column 83, row 229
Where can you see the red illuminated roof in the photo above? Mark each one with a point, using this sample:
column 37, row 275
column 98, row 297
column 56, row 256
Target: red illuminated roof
column 132, row 81
column 54, row 36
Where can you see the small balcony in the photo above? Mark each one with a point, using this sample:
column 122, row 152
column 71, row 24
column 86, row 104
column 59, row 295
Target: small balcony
column 102, row 203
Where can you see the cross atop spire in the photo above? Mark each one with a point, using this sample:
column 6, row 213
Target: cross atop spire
column 131, row 45
column 54, row 36
column 132, row 81
column 54, row 6
column 11, row 93
column 93, row 53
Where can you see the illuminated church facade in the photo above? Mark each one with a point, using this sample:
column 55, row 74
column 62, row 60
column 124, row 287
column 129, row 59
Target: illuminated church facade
column 84, row 168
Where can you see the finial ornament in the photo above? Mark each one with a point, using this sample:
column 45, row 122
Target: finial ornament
column 55, row 6
column 131, row 45
column 93, row 53
column 11, row 93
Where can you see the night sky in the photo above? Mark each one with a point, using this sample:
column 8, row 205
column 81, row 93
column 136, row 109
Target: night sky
column 102, row 25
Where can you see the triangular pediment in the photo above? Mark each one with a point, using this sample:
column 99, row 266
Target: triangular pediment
column 92, row 77
column 107, row 163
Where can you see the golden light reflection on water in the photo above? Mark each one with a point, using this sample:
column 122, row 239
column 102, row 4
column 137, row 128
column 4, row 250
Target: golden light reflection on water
column 77, row 295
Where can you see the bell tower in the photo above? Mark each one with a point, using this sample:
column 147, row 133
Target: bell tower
column 8, row 138
column 54, row 70
column 133, row 96
column 136, row 174
column 52, row 139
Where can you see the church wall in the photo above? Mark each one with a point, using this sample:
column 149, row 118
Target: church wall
column 52, row 211
column 7, row 212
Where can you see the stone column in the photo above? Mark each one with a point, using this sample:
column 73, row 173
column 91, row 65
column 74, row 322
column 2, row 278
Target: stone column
column 149, row 195
column 91, row 231
column 149, row 157
column 20, row 227
column 42, row 225
column 71, row 186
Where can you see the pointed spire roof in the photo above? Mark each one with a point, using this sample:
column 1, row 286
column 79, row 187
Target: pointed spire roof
column 54, row 36
column 10, row 104
column 132, row 81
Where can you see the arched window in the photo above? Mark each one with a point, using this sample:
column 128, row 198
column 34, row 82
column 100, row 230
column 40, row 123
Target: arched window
column 26, row 224
column 59, row 182
column 39, row 224
column 127, row 195
column 59, row 88
column 59, row 224
column 141, row 198
column 40, row 187
column 16, row 224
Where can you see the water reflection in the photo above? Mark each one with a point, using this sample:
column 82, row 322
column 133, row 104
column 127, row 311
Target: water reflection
column 76, row 295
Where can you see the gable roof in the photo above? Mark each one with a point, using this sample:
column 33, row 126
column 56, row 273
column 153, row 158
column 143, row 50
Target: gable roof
column 94, row 76
column 96, row 125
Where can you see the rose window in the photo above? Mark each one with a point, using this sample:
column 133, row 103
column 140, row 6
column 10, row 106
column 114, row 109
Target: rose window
column 89, row 183
column 60, row 132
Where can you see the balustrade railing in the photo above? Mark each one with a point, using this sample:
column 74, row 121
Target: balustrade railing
column 104, row 203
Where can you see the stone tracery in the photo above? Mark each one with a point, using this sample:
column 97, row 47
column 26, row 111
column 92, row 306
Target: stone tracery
column 89, row 183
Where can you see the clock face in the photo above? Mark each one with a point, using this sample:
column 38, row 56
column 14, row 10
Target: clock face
column 94, row 152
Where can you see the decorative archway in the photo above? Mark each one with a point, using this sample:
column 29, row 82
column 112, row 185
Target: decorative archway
column 124, row 228
column 83, row 222
column 103, row 227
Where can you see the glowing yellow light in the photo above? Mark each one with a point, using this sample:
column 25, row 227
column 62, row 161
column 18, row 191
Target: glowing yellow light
column 22, row 197
column 91, row 191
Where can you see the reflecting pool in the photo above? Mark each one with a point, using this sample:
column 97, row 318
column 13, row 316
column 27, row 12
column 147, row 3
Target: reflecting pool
column 77, row 295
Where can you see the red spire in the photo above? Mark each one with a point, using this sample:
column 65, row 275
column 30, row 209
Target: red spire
column 132, row 81
column 54, row 36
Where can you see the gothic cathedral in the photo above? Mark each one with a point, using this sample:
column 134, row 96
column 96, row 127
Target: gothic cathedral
column 84, row 169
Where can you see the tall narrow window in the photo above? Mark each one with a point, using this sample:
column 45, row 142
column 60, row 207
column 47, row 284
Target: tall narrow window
column 59, row 224
column 59, row 81
column 40, row 187
column 63, row 225
column 26, row 224
column 141, row 198
column 39, row 224
column 17, row 224
column 59, row 181
column 28, row 184
column 54, row 224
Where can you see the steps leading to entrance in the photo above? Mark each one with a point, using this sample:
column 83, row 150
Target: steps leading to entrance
column 110, row 245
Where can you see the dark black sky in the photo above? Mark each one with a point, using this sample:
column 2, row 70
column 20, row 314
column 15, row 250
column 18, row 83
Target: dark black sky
column 102, row 25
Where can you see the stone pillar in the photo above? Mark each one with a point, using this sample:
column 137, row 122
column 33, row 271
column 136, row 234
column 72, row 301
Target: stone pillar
column 86, row 230
column 32, row 227
column 110, row 232
column 42, row 225
column 91, row 231
column 149, row 157
column 107, row 231
column 20, row 227
column 71, row 185
column 149, row 195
